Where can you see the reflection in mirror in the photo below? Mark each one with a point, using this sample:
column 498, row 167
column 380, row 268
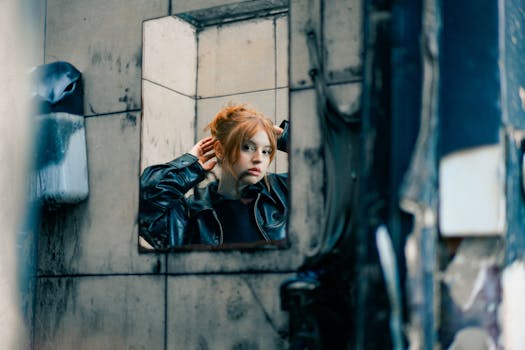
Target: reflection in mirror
column 197, row 78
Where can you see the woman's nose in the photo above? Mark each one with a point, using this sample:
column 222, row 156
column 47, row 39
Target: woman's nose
column 256, row 158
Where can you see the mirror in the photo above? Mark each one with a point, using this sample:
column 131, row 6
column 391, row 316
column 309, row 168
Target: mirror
column 193, row 64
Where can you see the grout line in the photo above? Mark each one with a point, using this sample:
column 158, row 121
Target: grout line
column 213, row 273
column 112, row 113
column 339, row 83
column 196, row 116
column 275, row 81
column 239, row 93
column 166, row 306
column 231, row 273
column 168, row 88
column 45, row 32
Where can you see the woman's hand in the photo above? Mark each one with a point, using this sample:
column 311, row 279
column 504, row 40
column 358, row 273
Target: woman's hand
column 278, row 130
column 204, row 151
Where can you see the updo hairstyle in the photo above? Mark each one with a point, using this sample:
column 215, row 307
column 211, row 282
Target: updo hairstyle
column 235, row 124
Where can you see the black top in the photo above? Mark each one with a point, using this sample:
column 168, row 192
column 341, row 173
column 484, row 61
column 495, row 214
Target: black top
column 238, row 221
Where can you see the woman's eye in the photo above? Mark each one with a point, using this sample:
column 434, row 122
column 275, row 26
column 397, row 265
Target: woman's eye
column 267, row 152
column 248, row 147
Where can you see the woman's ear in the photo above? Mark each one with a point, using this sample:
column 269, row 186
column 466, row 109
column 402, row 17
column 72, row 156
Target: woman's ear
column 219, row 151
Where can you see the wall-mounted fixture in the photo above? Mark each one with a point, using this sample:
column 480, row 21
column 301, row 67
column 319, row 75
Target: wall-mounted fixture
column 61, row 174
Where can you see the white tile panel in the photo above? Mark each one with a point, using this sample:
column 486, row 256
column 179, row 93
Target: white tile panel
column 170, row 54
column 168, row 124
column 281, row 51
column 236, row 58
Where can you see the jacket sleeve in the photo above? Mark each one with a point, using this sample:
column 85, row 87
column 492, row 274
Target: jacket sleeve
column 282, row 141
column 164, row 213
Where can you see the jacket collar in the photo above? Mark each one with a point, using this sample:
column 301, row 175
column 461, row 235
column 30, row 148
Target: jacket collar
column 211, row 197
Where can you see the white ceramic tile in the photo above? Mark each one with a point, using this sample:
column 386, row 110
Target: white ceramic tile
column 170, row 54
column 102, row 39
column 168, row 125
column 226, row 312
column 471, row 192
column 236, row 58
column 99, row 236
column 281, row 51
column 117, row 312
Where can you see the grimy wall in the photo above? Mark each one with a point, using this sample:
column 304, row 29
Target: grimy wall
column 94, row 289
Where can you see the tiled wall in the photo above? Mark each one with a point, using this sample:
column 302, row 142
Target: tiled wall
column 169, row 84
column 95, row 290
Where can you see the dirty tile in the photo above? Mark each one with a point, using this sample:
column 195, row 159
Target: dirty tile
column 226, row 312
column 99, row 236
column 193, row 5
column 170, row 54
column 342, row 39
column 304, row 15
column 207, row 108
column 104, row 41
column 117, row 312
column 281, row 51
column 168, row 124
column 306, row 168
column 236, row 58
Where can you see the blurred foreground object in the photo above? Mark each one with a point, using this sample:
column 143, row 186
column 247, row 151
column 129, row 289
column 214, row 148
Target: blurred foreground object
column 14, row 145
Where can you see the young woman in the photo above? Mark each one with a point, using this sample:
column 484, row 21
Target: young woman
column 245, row 205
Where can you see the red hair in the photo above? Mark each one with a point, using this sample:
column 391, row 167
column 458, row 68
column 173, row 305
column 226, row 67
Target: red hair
column 235, row 124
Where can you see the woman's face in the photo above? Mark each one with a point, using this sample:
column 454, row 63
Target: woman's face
column 254, row 159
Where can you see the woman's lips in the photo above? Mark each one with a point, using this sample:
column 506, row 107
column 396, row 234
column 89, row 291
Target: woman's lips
column 253, row 171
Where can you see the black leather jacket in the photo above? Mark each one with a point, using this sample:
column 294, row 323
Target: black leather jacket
column 168, row 219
